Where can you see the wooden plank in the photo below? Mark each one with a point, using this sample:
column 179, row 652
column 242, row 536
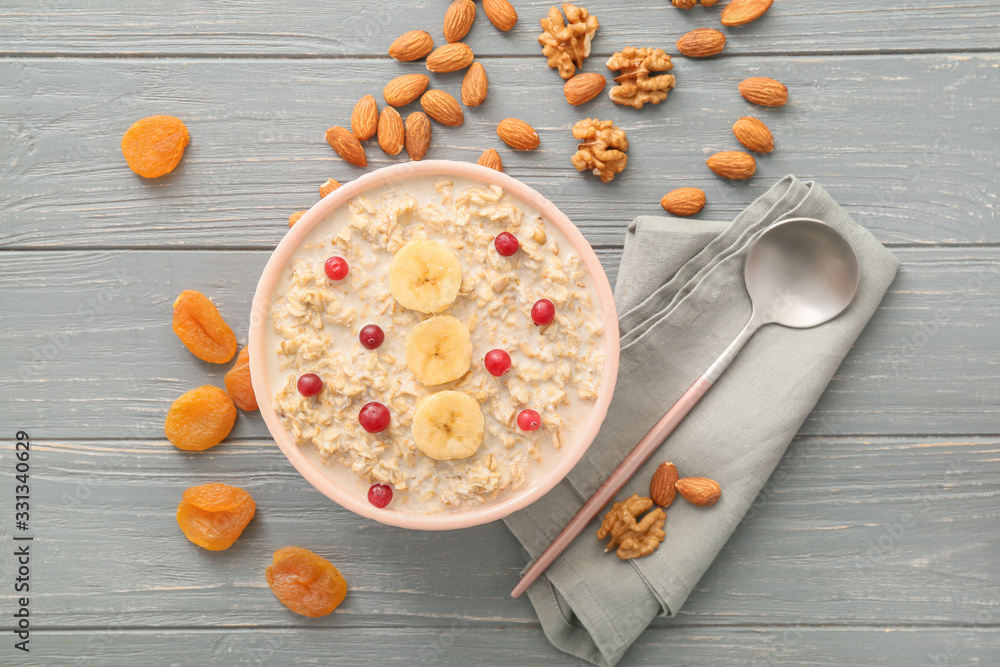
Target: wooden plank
column 354, row 27
column 914, row 172
column 885, row 531
column 93, row 330
column 791, row 646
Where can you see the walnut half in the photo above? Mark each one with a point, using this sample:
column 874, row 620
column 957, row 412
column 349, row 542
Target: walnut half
column 633, row 539
column 602, row 149
column 635, row 85
column 567, row 44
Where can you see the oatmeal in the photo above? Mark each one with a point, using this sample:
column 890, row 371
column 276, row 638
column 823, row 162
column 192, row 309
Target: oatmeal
column 437, row 307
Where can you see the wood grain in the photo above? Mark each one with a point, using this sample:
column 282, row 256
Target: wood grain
column 787, row 646
column 912, row 171
column 847, row 531
column 874, row 542
column 357, row 27
column 926, row 364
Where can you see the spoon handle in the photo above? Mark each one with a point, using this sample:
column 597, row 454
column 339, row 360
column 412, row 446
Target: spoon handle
column 639, row 455
column 614, row 483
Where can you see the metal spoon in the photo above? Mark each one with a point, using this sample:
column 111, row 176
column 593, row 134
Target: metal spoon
column 799, row 273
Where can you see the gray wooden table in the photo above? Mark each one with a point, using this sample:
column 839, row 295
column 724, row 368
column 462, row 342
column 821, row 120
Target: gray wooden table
column 876, row 541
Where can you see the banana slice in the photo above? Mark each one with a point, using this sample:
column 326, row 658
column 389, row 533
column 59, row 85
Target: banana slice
column 439, row 350
column 425, row 276
column 448, row 425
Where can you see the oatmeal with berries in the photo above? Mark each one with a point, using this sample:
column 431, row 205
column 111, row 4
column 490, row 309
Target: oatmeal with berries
column 436, row 342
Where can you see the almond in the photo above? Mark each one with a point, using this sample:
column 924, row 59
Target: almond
column 418, row 135
column 328, row 186
column 458, row 19
column 450, row 58
column 683, row 201
column 700, row 491
column 753, row 134
column 475, row 85
column 390, row 131
column 364, row 118
column 490, row 158
column 701, row 43
column 404, row 89
column 661, row 486
column 412, row 45
column 734, row 165
column 517, row 134
column 583, row 87
column 741, row 12
column 442, row 107
column 764, row 91
column 500, row 13
column 294, row 217
column 347, row 146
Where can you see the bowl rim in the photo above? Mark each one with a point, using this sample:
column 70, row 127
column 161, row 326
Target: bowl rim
column 571, row 452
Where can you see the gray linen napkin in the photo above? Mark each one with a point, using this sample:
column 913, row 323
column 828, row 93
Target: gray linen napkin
column 681, row 300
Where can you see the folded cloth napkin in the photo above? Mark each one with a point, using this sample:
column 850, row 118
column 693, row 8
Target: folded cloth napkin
column 681, row 299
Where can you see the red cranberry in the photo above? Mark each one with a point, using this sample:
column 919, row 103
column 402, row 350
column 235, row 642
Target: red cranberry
column 543, row 312
column 529, row 420
column 497, row 362
column 506, row 244
column 380, row 495
column 371, row 336
column 336, row 268
column 374, row 417
column 309, row 384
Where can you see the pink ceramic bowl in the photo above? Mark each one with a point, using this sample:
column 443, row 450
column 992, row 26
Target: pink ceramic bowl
column 307, row 462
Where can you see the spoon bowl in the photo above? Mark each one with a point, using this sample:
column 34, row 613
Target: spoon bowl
column 800, row 273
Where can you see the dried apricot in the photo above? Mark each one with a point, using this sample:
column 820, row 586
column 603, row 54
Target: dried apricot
column 153, row 146
column 238, row 383
column 200, row 418
column 214, row 515
column 306, row 583
column 200, row 327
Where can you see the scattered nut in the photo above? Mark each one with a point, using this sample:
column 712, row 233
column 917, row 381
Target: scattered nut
column 635, row 85
column 700, row 491
column 683, row 201
column 734, row 165
column 328, row 186
column 688, row 4
column 632, row 538
column 442, row 107
column 661, row 486
column 418, row 135
column 450, row 58
column 391, row 132
column 701, row 43
column 517, row 134
column 458, row 19
column 347, row 146
column 567, row 44
column 364, row 118
column 294, row 217
column 500, row 13
column 753, row 134
column 412, row 45
column 583, row 87
column 404, row 89
column 764, row 91
column 475, row 86
column 741, row 12
column 602, row 149
column 490, row 158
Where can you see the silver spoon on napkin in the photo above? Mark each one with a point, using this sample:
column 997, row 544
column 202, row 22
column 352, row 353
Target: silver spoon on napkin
column 799, row 273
